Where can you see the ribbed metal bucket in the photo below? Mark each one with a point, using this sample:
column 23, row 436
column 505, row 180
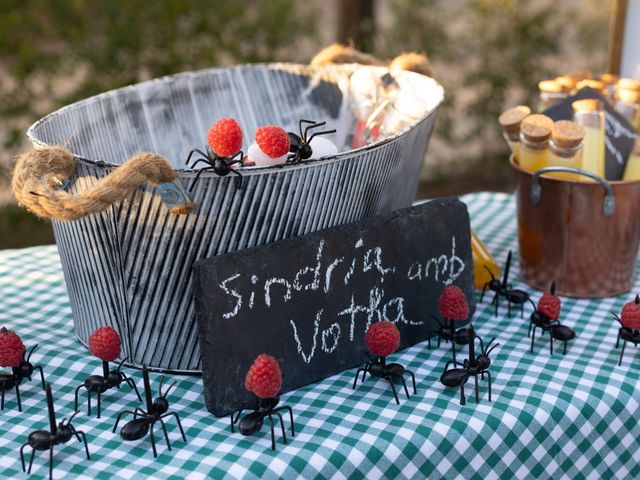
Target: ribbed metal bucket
column 130, row 267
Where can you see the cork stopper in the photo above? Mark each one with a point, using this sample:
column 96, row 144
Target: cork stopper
column 628, row 96
column 510, row 119
column 595, row 84
column 587, row 105
column 577, row 76
column 567, row 134
column 536, row 128
column 550, row 86
column 566, row 82
column 628, row 84
column 609, row 78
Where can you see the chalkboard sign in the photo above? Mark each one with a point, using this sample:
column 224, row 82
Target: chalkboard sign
column 308, row 300
column 620, row 136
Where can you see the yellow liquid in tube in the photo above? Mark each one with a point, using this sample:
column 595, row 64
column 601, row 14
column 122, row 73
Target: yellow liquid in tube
column 555, row 160
column 531, row 159
column 481, row 259
column 593, row 151
column 632, row 170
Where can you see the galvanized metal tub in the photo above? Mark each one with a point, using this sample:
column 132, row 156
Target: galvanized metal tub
column 130, row 266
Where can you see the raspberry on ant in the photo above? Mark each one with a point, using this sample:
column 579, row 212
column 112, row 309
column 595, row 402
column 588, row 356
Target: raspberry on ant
column 13, row 354
column 264, row 380
column 222, row 152
column 453, row 307
column 383, row 338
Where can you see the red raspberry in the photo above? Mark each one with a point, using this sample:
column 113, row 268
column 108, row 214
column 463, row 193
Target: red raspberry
column 11, row 349
column 225, row 137
column 272, row 140
column 104, row 343
column 549, row 306
column 264, row 377
column 630, row 315
column 453, row 304
column 382, row 338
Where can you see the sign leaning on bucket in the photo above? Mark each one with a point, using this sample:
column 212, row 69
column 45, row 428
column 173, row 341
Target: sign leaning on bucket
column 309, row 300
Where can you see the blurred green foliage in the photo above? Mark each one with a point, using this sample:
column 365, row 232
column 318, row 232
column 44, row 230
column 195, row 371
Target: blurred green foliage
column 488, row 54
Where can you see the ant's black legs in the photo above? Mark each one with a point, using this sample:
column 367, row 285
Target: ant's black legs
column 453, row 349
column 522, row 310
column 550, row 341
column 41, row 376
column 75, row 408
column 393, row 388
column 2, row 401
column 86, row 445
column 175, row 414
column 624, row 344
column 195, row 180
column 618, row 340
column 120, row 416
column 476, row 380
column 22, row 456
column 565, row 348
column 51, row 460
column 273, row 434
column 233, row 422
column 153, row 442
column 484, row 289
column 489, row 380
column 463, row 401
column 18, row 396
column 404, row 384
column 529, row 332
column 33, row 453
column 533, row 336
column 364, row 373
column 287, row 408
column 99, row 404
column 166, row 435
column 451, row 362
column 132, row 384
column 238, row 179
column 284, row 433
column 413, row 379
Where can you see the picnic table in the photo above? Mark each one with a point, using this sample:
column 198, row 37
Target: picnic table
column 557, row 416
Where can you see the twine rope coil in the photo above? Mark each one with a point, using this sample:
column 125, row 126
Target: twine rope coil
column 37, row 173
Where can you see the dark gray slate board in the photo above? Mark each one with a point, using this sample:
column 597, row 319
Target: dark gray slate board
column 620, row 136
column 308, row 300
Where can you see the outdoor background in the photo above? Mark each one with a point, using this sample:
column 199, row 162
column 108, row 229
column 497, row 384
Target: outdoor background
column 488, row 55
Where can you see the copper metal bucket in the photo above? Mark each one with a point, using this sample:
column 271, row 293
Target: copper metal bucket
column 582, row 234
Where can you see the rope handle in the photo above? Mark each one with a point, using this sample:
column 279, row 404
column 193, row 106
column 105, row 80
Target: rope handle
column 39, row 172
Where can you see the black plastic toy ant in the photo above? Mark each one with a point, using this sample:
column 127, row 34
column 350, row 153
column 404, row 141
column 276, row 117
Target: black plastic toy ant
column 19, row 373
column 156, row 410
column 474, row 366
column 503, row 289
column 252, row 423
column 101, row 383
column 44, row 440
column 300, row 145
column 220, row 165
column 627, row 334
column 556, row 330
column 378, row 368
column 447, row 332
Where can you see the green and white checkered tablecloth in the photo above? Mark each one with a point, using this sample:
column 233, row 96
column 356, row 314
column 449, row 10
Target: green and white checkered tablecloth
column 571, row 416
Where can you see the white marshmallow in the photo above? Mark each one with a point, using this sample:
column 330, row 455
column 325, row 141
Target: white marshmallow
column 261, row 159
column 322, row 147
